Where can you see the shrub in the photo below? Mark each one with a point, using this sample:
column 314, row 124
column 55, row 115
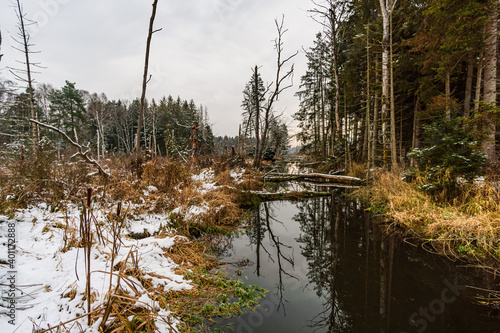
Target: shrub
column 453, row 153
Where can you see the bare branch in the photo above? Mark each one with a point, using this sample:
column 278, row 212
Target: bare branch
column 81, row 152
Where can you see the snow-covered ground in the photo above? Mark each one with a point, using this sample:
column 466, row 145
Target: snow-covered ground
column 50, row 279
column 44, row 273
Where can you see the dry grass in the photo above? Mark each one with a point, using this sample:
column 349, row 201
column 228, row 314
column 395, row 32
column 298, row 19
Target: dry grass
column 67, row 182
column 357, row 170
column 188, row 254
column 467, row 228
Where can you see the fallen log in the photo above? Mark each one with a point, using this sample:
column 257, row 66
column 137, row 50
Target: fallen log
column 292, row 195
column 312, row 177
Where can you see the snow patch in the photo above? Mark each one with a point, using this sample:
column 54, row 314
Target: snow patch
column 51, row 283
column 237, row 175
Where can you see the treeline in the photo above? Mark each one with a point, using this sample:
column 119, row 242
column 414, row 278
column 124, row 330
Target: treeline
column 107, row 126
column 380, row 72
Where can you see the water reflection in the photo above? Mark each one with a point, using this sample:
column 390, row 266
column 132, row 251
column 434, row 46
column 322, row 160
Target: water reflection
column 279, row 253
column 329, row 269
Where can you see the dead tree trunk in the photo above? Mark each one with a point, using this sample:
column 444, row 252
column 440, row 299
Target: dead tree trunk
column 278, row 88
column 256, row 161
column 1, row 55
column 29, row 80
column 145, row 80
column 194, row 141
column 367, row 143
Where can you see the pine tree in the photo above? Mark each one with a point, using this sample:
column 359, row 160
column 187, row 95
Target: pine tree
column 67, row 110
column 253, row 99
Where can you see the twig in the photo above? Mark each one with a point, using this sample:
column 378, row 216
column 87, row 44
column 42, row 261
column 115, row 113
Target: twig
column 69, row 321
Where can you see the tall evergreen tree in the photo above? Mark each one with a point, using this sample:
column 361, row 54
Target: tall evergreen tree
column 68, row 110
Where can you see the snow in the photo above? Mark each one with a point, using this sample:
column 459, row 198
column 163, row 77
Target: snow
column 50, row 279
column 237, row 175
column 206, row 180
column 193, row 212
column 45, row 273
column 205, row 176
column 149, row 190
column 147, row 223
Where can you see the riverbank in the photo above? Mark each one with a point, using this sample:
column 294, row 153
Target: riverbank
column 130, row 242
column 466, row 228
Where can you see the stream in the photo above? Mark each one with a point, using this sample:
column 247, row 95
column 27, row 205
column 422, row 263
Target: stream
column 329, row 268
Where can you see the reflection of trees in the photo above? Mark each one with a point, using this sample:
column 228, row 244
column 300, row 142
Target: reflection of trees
column 341, row 249
column 320, row 226
column 262, row 223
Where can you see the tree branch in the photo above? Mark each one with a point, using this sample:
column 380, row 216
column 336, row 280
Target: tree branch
column 81, row 153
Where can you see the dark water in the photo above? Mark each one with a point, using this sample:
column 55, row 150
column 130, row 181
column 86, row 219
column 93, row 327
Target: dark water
column 330, row 269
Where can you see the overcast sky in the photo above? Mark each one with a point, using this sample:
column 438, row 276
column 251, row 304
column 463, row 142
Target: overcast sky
column 205, row 51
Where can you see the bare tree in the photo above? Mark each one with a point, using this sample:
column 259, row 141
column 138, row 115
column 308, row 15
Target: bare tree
column 468, row 84
column 279, row 87
column 23, row 39
column 479, row 80
column 145, row 79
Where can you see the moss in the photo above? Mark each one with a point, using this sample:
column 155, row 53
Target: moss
column 214, row 295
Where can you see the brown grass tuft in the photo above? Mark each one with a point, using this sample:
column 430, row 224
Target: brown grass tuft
column 469, row 227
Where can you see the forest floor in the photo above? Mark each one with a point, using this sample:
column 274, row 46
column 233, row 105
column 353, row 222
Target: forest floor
column 147, row 271
column 465, row 228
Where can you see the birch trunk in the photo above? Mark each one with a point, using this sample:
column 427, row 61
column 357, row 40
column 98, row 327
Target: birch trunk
column 394, row 152
column 490, row 80
column 479, row 81
column 385, row 75
column 386, row 8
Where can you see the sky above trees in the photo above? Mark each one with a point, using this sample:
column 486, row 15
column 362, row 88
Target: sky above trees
column 205, row 51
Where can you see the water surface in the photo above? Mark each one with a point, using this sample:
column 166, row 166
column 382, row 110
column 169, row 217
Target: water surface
column 330, row 269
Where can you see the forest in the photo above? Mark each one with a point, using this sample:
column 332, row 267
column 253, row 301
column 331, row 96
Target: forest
column 396, row 129
column 381, row 73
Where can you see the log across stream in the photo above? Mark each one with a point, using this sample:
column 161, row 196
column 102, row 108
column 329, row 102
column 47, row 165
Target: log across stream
column 313, row 177
column 313, row 185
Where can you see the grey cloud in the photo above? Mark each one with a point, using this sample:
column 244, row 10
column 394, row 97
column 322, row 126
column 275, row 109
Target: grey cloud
column 205, row 51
